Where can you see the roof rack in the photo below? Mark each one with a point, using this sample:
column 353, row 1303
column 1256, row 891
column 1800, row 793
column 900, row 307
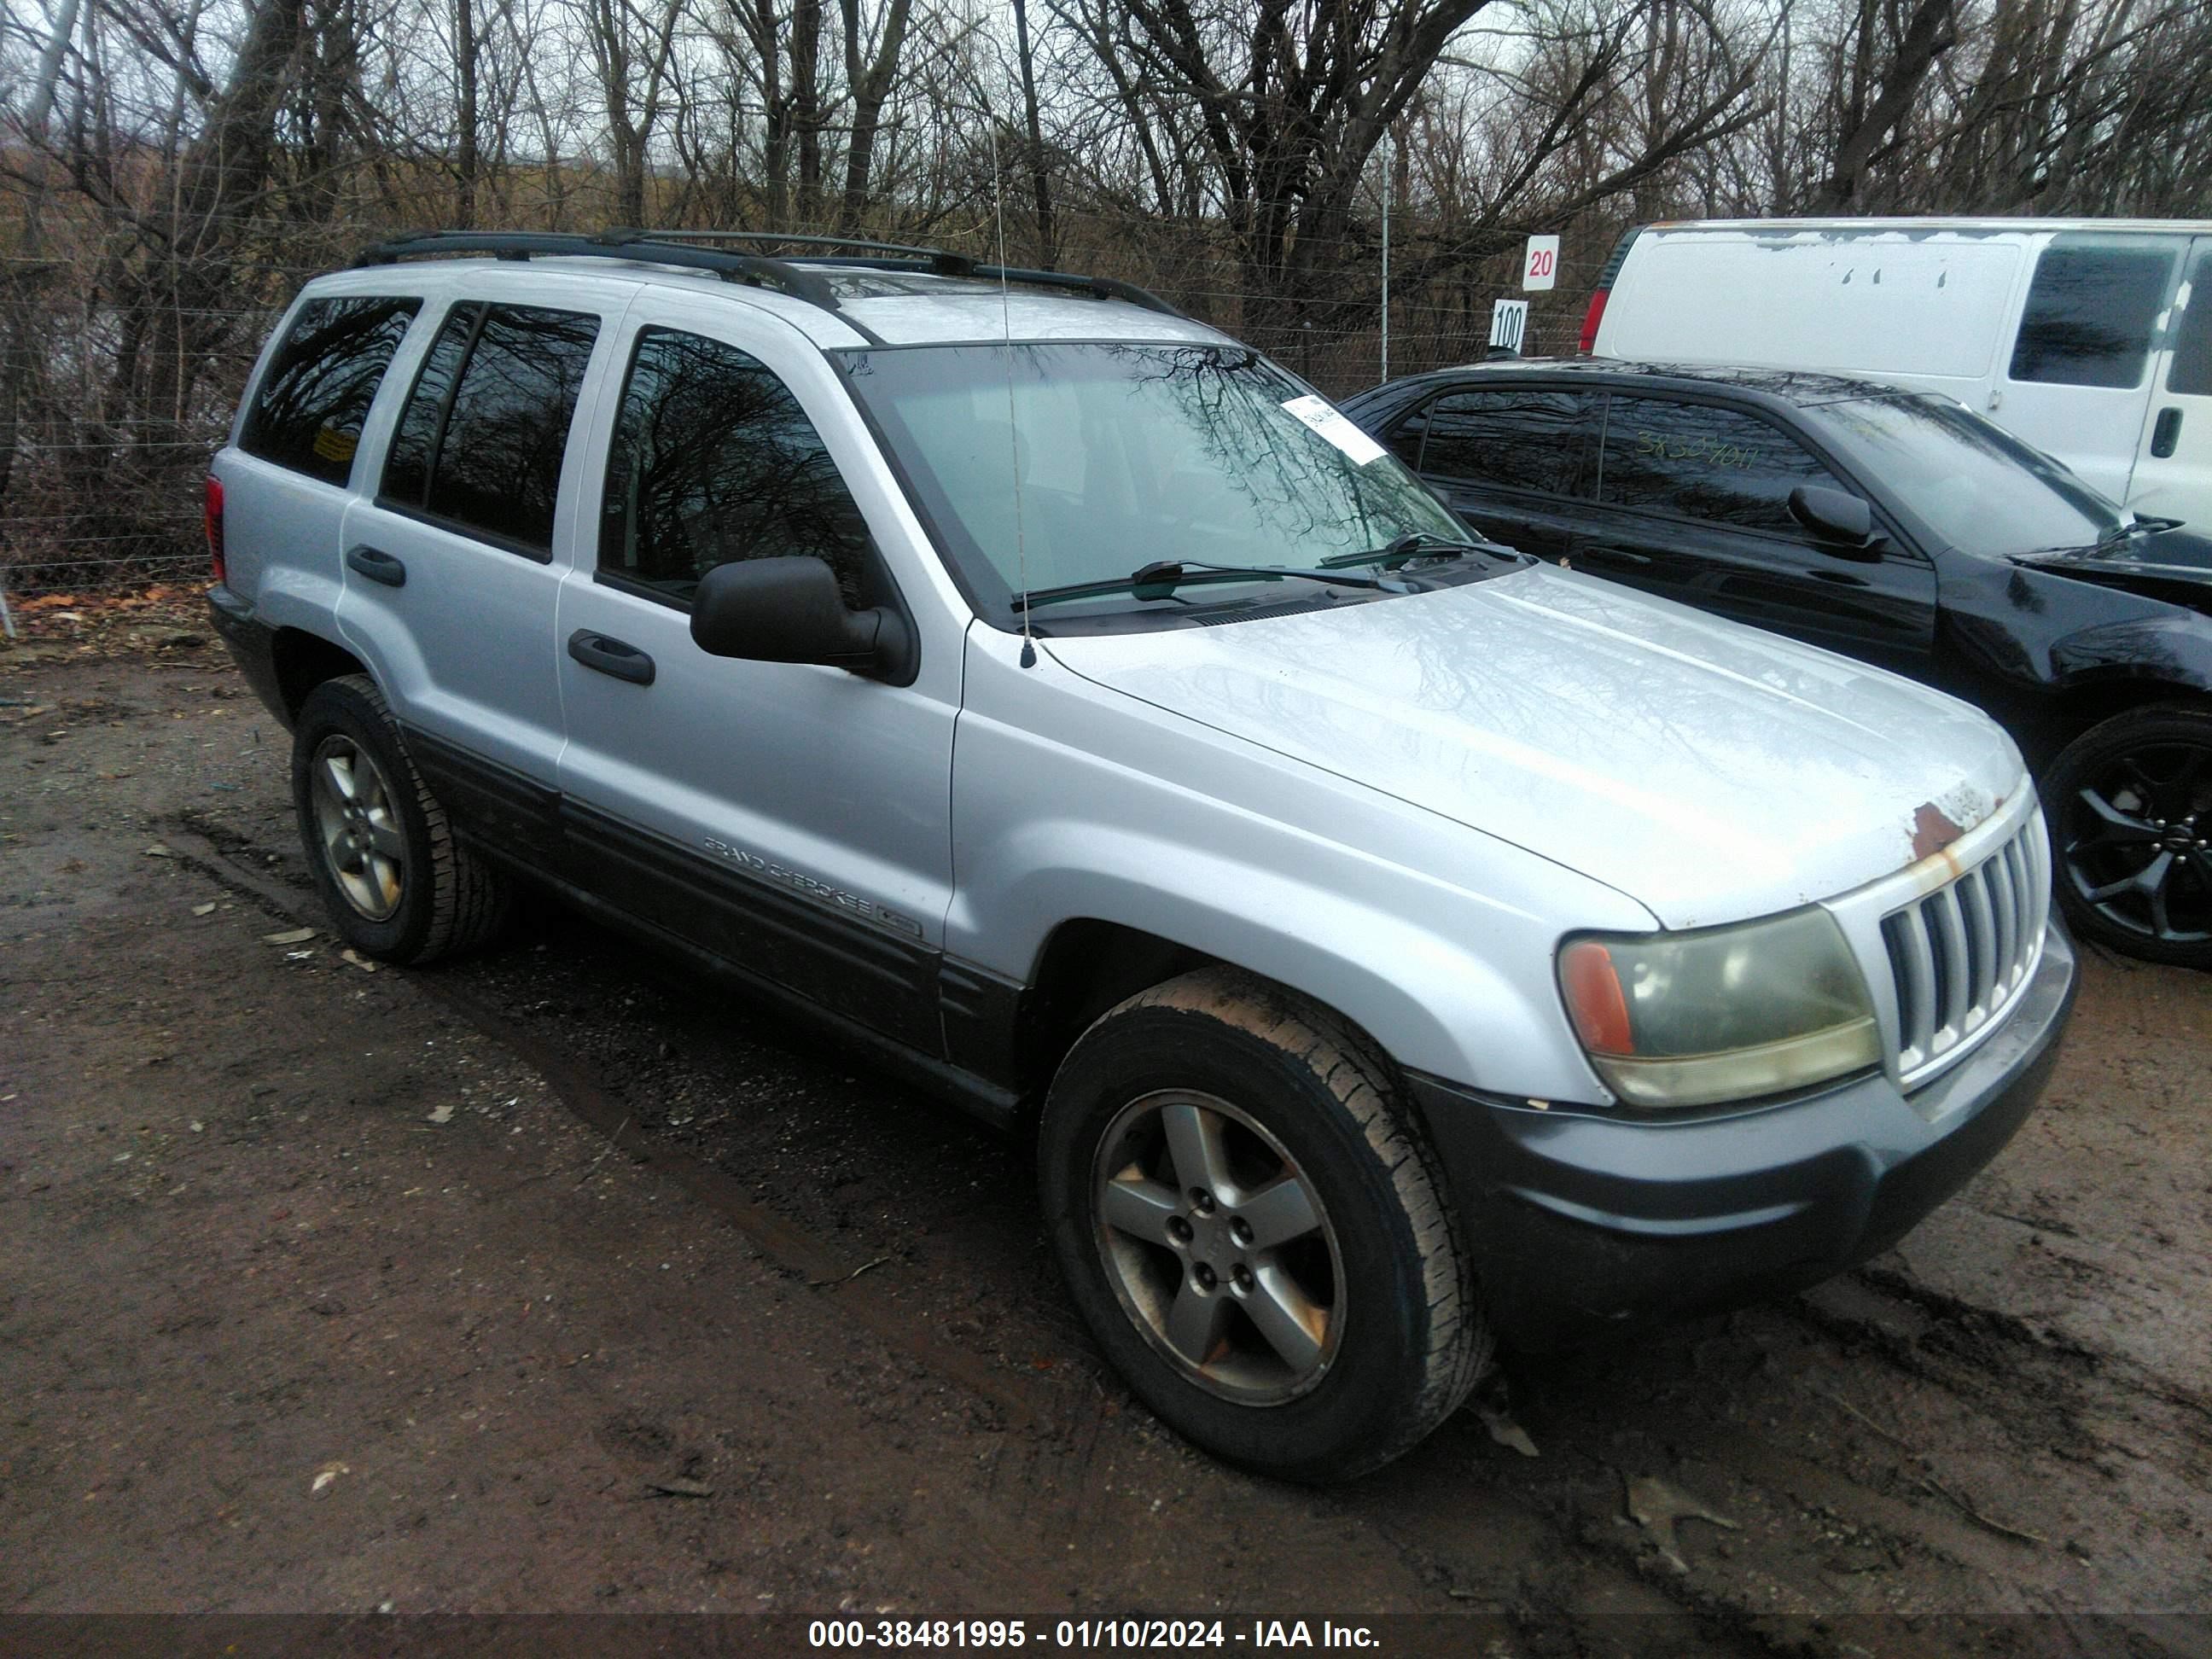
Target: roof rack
column 751, row 268
column 943, row 261
column 695, row 250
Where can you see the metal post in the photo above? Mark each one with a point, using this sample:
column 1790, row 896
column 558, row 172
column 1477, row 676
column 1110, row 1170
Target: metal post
column 1389, row 169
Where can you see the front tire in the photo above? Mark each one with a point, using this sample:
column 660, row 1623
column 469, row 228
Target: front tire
column 1255, row 1229
column 397, row 884
column 2129, row 803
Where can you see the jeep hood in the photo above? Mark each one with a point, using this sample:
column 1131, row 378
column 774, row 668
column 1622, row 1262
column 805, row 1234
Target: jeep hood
column 1709, row 771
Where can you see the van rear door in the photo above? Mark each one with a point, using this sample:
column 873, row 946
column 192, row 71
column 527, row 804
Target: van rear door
column 2079, row 378
column 2173, row 465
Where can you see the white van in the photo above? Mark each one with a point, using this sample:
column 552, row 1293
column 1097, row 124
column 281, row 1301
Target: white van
column 2075, row 335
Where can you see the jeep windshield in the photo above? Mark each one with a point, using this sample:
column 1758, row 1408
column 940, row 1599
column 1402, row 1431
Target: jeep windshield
column 1055, row 466
column 1979, row 488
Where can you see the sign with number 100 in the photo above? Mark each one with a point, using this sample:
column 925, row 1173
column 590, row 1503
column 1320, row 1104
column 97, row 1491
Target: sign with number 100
column 1540, row 265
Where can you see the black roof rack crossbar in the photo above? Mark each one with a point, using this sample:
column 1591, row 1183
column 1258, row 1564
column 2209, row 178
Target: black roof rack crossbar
column 943, row 261
column 529, row 244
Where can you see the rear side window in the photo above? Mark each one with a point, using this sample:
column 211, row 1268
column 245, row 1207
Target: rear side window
column 1538, row 440
column 2191, row 373
column 308, row 412
column 480, row 439
column 713, row 461
column 2089, row 316
column 1703, row 462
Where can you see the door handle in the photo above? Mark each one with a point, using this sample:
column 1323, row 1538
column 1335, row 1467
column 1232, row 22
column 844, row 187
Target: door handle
column 2167, row 434
column 377, row 565
column 1618, row 555
column 624, row 662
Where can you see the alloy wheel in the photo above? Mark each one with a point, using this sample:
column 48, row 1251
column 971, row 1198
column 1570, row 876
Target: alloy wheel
column 358, row 827
column 2136, row 837
column 1218, row 1247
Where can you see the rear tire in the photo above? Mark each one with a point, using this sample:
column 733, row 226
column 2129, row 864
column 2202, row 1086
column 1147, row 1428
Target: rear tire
column 1255, row 1229
column 2129, row 803
column 397, row 884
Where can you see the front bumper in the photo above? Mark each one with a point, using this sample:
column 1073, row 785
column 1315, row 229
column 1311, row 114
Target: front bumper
column 1584, row 1223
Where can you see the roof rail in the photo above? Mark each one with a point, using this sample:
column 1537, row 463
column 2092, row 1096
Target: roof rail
column 695, row 250
column 943, row 261
column 616, row 245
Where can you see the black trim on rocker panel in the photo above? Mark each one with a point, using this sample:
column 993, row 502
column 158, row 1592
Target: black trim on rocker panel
column 852, row 980
column 997, row 1106
column 507, row 810
column 850, row 967
column 981, row 1012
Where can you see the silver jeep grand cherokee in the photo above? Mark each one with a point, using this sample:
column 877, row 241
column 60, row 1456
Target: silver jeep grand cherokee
column 1391, row 944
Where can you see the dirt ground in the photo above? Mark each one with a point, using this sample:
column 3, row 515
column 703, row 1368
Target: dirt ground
column 546, row 1282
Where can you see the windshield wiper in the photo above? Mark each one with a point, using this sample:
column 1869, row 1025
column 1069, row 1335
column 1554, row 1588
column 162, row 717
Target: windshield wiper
column 2143, row 523
column 1422, row 544
column 1160, row 579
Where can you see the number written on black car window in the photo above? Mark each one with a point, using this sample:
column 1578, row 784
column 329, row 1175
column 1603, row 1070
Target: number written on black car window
column 1703, row 462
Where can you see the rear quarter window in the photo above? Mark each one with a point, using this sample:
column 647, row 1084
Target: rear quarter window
column 1517, row 439
column 308, row 411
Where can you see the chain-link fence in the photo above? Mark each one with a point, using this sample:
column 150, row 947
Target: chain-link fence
column 109, row 448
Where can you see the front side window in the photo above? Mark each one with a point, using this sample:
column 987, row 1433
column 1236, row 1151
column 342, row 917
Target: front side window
column 480, row 439
column 1524, row 440
column 2090, row 313
column 1703, row 462
column 715, row 460
column 1976, row 486
column 2191, row 373
column 309, row 410
column 1063, row 465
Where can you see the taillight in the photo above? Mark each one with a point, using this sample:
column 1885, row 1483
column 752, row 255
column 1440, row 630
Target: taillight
column 1613, row 262
column 212, row 517
column 1591, row 319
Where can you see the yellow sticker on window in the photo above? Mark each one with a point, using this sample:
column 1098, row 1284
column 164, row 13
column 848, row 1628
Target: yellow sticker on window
column 333, row 445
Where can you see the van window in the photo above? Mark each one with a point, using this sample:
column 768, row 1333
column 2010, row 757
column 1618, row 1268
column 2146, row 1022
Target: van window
column 715, row 460
column 309, row 410
column 1525, row 440
column 496, row 439
column 2089, row 314
column 1703, row 462
column 2191, row 373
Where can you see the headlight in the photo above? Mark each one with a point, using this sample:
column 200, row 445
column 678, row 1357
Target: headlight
column 1725, row 1013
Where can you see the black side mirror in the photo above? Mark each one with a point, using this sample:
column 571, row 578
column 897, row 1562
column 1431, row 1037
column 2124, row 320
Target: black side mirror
column 789, row 610
column 1839, row 522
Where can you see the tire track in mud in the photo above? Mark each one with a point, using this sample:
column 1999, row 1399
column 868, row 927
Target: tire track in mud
column 824, row 1270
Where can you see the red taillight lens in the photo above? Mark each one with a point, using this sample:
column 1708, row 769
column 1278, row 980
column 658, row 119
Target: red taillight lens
column 1591, row 319
column 212, row 517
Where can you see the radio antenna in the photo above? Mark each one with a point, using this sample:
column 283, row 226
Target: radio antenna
column 1013, row 432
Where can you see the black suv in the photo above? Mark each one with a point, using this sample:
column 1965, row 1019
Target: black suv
column 1894, row 526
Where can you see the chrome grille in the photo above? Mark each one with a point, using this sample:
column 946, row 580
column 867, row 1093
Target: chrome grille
column 1961, row 954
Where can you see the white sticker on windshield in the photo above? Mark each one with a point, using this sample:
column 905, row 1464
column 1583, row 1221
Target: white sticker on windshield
column 1316, row 413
